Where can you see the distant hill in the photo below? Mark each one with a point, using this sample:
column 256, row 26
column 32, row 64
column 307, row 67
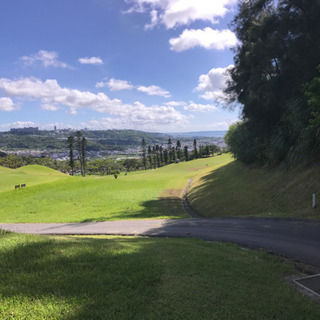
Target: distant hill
column 97, row 140
column 196, row 134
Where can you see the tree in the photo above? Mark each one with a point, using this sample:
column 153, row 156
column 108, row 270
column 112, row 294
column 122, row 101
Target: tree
column 150, row 156
column 71, row 149
column 81, row 146
column 195, row 150
column 178, row 148
column 279, row 53
column 170, row 149
column 143, row 145
column 186, row 154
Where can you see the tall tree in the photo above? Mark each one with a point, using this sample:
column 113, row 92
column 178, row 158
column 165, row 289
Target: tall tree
column 81, row 146
column 178, row 148
column 186, row 154
column 279, row 53
column 195, row 150
column 170, row 149
column 144, row 151
column 70, row 142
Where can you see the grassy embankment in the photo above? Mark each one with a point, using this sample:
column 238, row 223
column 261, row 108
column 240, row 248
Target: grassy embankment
column 138, row 278
column 53, row 197
column 238, row 190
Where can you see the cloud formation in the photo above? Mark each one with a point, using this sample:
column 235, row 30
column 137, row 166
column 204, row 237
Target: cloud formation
column 52, row 97
column 196, row 107
column 213, row 84
column 172, row 13
column 92, row 60
column 118, row 85
column 206, row 38
column 6, row 104
column 44, row 58
column 154, row 91
column 115, row 85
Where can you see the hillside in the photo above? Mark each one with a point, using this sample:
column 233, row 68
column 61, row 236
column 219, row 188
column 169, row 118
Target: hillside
column 137, row 195
column 238, row 190
column 29, row 175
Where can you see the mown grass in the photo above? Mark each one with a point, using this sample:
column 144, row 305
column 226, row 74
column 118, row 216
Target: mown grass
column 145, row 194
column 238, row 190
column 139, row 278
column 29, row 175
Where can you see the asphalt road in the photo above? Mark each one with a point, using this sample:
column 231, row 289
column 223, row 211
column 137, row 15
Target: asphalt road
column 296, row 239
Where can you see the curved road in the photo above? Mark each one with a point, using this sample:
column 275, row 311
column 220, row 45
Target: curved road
column 296, row 239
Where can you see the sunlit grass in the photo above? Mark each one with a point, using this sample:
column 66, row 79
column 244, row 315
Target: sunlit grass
column 144, row 194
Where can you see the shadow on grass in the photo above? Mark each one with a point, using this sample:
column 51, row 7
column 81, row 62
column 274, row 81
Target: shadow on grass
column 77, row 279
column 170, row 207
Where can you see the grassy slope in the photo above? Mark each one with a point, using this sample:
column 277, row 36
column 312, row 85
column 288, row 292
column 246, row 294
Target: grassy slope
column 30, row 175
column 147, row 194
column 138, row 278
column 236, row 190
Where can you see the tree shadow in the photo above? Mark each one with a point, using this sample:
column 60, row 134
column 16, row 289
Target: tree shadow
column 78, row 278
column 163, row 207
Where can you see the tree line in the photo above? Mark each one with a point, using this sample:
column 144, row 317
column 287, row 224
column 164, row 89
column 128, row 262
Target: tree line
column 152, row 156
column 276, row 79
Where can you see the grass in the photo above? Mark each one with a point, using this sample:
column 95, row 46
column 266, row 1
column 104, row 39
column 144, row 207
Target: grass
column 30, row 175
column 60, row 198
column 238, row 190
column 139, row 278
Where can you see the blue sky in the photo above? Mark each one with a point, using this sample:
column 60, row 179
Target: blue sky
column 152, row 65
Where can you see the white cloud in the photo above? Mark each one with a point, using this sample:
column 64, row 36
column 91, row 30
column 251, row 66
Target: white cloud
column 173, row 13
column 6, row 104
column 117, row 85
column 154, row 20
column 206, row 38
column 92, row 60
column 52, row 96
column 17, row 124
column 195, row 107
column 214, row 83
column 45, row 58
column 175, row 103
column 154, row 91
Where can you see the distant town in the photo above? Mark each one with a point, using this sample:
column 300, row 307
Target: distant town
column 31, row 141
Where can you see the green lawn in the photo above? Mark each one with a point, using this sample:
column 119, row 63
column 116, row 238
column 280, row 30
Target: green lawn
column 30, row 175
column 139, row 278
column 60, row 198
column 238, row 190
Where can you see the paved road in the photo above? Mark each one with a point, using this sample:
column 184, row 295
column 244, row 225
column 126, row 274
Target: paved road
column 297, row 239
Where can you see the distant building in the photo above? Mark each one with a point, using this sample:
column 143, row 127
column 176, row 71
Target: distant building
column 30, row 130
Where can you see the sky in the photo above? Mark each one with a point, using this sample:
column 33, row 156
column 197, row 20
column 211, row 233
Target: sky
column 150, row 65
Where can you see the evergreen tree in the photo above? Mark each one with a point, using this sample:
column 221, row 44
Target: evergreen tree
column 170, row 150
column 71, row 149
column 144, row 159
column 186, row 154
column 178, row 148
column 195, row 150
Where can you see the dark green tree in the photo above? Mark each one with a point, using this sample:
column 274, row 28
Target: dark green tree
column 195, row 150
column 186, row 154
column 144, row 152
column 178, row 149
column 71, row 155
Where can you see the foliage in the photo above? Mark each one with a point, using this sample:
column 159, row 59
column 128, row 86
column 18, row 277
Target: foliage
column 278, row 54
